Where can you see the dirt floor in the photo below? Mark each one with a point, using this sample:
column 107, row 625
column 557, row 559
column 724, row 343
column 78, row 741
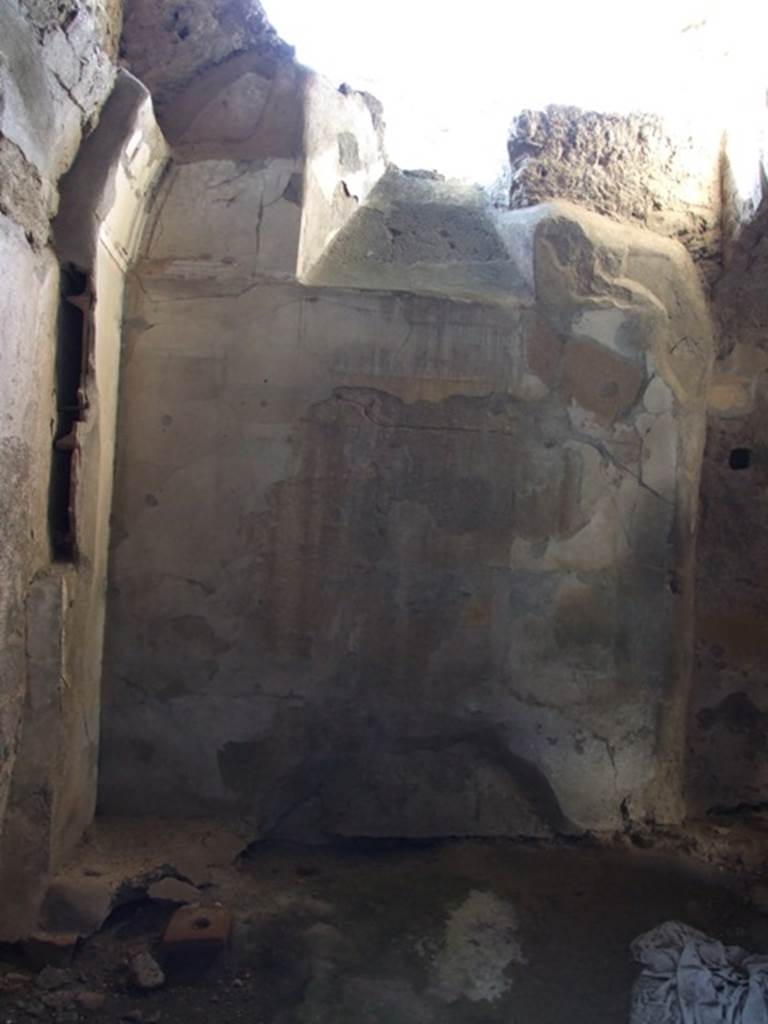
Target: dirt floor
column 471, row 932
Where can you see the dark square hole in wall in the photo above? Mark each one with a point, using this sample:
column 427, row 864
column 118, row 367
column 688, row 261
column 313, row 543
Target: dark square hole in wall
column 740, row 458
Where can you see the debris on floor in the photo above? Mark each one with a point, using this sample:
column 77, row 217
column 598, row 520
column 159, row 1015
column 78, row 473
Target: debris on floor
column 51, row 978
column 173, row 890
column 453, row 932
column 690, row 978
column 146, row 973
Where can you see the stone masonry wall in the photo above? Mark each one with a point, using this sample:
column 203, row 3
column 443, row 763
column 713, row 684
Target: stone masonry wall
column 56, row 70
column 639, row 168
column 407, row 486
column 80, row 150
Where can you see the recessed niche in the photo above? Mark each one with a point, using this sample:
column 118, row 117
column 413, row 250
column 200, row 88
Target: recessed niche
column 740, row 458
column 70, row 408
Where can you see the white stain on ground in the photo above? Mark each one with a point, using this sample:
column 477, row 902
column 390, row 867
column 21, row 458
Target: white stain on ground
column 479, row 943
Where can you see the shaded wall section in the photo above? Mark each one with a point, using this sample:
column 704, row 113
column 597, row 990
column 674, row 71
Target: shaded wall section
column 56, row 70
column 728, row 743
column 388, row 563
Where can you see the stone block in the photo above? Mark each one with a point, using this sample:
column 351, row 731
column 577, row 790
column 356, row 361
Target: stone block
column 77, row 905
column 172, row 890
column 44, row 948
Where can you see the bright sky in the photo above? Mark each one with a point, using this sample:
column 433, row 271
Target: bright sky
column 452, row 75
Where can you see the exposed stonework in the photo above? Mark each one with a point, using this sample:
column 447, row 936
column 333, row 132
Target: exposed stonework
column 24, row 194
column 168, row 44
column 635, row 167
column 55, row 74
column 421, row 233
column 99, row 20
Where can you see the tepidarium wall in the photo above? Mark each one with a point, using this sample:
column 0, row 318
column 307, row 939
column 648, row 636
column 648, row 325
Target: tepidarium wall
column 413, row 561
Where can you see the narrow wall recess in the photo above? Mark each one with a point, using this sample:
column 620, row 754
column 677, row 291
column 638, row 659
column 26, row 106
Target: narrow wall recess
column 71, row 404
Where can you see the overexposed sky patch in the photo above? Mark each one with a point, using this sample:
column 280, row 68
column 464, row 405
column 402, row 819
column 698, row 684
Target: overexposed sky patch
column 452, row 76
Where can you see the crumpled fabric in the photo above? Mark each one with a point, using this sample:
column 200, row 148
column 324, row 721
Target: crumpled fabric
column 689, row 978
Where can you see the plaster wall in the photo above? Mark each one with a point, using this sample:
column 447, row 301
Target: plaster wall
column 407, row 485
column 727, row 768
column 58, row 70
column 728, row 734
column 413, row 561
column 98, row 229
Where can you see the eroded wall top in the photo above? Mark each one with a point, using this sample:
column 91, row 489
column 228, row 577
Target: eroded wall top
column 639, row 168
column 167, row 44
column 219, row 76
column 56, row 72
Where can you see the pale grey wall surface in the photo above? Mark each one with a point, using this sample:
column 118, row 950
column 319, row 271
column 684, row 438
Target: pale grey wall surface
column 396, row 564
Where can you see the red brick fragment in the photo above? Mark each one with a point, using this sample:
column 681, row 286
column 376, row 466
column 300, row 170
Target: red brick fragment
column 198, row 928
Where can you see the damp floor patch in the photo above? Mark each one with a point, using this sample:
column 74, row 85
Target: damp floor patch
column 456, row 932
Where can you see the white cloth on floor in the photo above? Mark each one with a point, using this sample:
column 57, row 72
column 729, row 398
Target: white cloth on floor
column 688, row 978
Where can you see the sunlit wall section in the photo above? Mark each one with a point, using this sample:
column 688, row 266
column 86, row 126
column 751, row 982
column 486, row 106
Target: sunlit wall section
column 451, row 80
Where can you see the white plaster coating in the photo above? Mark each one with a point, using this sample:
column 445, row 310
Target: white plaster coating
column 479, row 945
column 244, row 212
column 658, row 398
column 603, row 326
column 659, row 463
